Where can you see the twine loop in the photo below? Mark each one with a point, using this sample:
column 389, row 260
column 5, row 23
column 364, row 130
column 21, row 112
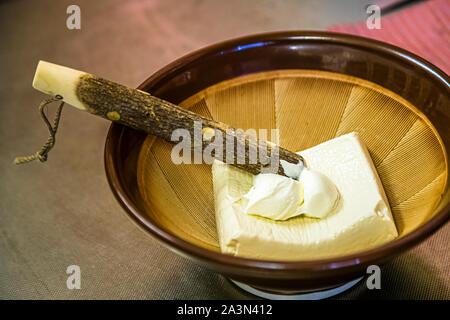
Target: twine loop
column 42, row 154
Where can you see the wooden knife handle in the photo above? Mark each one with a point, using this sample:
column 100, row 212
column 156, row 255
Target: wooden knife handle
column 142, row 111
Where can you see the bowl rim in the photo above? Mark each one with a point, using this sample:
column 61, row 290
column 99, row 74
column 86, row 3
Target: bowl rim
column 367, row 257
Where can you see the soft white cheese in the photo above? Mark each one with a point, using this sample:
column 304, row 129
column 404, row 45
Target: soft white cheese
column 292, row 170
column 320, row 195
column 280, row 198
column 361, row 220
column 273, row 196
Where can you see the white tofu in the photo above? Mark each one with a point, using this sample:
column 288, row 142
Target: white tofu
column 361, row 221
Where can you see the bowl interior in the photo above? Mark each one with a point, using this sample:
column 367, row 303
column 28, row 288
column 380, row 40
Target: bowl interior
column 308, row 107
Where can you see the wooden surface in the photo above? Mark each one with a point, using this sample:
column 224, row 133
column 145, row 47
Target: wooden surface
column 157, row 117
column 62, row 212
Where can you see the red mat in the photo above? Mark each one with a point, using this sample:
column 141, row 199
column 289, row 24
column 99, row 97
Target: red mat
column 422, row 29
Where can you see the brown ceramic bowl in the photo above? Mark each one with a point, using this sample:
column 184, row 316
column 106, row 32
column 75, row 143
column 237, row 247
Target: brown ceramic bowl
column 414, row 125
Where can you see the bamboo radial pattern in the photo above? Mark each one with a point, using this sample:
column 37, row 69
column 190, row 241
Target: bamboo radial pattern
column 308, row 107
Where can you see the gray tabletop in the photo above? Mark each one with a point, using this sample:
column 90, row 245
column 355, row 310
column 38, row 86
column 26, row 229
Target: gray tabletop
column 63, row 213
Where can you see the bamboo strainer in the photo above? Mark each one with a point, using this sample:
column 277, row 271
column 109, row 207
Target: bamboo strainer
column 308, row 107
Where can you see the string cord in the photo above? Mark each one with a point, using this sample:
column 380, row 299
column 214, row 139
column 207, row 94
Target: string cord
column 42, row 154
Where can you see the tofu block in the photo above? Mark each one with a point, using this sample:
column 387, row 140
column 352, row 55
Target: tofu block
column 362, row 219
